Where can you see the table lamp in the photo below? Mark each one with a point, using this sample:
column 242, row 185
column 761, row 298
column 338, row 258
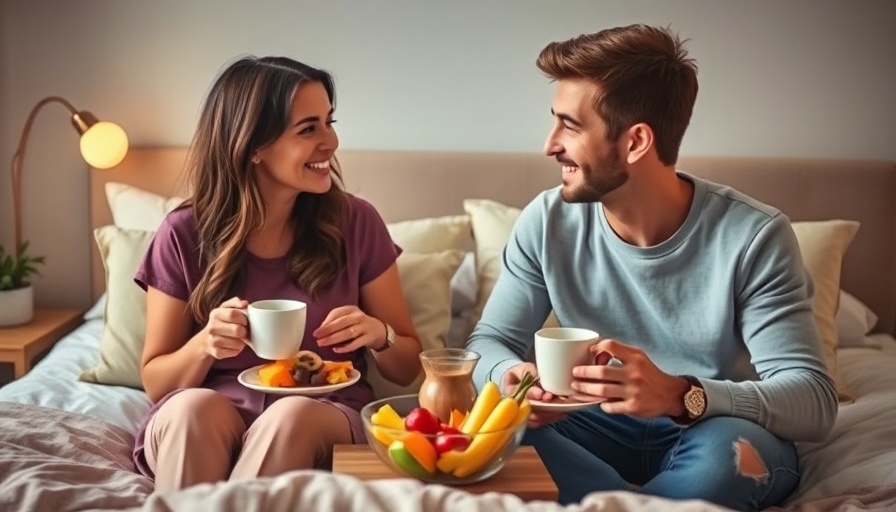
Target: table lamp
column 103, row 145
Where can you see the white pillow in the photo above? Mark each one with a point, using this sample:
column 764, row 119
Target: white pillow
column 464, row 286
column 135, row 208
column 854, row 321
column 96, row 311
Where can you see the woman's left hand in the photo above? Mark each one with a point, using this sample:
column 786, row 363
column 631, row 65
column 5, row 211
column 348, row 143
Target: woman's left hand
column 347, row 328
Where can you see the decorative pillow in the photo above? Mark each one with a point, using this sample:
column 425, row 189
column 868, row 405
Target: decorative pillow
column 135, row 208
column 492, row 223
column 436, row 234
column 121, row 345
column 426, row 281
column 432, row 234
column 854, row 321
column 97, row 310
column 822, row 245
column 464, row 286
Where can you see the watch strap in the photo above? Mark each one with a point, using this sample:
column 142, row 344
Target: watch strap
column 390, row 338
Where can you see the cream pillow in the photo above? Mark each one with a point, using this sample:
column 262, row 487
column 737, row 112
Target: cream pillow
column 135, row 208
column 121, row 345
column 822, row 245
column 433, row 234
column 426, row 281
column 492, row 223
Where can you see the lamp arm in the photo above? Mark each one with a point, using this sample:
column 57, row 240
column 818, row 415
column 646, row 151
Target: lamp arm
column 19, row 156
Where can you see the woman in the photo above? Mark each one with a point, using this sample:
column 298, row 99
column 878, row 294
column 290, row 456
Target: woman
column 265, row 220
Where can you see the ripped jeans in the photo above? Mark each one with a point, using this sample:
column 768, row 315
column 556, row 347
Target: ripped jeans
column 724, row 460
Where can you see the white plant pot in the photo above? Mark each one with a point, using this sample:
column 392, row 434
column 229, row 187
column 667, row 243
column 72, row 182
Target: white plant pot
column 16, row 306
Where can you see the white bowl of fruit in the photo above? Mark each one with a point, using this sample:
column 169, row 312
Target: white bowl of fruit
column 472, row 446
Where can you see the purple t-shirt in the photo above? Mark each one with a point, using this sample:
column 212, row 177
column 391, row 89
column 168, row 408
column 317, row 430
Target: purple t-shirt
column 172, row 266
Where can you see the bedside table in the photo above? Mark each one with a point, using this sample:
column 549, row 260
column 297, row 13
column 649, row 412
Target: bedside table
column 20, row 344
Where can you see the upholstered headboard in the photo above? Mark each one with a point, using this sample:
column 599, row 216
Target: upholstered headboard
column 415, row 184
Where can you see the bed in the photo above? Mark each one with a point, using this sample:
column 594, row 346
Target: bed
column 66, row 428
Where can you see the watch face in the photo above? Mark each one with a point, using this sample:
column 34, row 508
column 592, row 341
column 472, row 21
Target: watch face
column 695, row 402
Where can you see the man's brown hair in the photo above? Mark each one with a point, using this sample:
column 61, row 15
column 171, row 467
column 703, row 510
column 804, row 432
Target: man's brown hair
column 644, row 75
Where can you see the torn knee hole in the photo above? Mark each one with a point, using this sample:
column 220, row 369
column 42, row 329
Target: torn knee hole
column 748, row 462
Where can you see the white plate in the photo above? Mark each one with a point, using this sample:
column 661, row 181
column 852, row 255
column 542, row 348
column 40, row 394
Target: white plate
column 559, row 404
column 249, row 378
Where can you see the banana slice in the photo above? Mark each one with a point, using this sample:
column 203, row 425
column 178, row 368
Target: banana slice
column 309, row 360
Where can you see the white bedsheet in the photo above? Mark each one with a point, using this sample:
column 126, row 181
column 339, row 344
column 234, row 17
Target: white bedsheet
column 53, row 382
column 861, row 451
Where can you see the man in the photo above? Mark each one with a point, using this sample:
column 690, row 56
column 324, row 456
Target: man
column 698, row 290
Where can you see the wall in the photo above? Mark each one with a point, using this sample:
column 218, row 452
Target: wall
column 795, row 77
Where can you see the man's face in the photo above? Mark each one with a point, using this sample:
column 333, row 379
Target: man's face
column 591, row 165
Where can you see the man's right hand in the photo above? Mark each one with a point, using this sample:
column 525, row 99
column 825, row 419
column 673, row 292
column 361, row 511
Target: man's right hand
column 511, row 380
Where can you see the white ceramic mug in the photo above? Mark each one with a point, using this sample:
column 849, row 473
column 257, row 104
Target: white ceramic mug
column 276, row 327
column 557, row 351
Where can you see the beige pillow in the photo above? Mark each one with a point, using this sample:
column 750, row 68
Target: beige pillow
column 426, row 281
column 433, row 234
column 121, row 344
column 492, row 223
column 822, row 245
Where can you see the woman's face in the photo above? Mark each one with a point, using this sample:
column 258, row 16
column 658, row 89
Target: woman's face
column 299, row 159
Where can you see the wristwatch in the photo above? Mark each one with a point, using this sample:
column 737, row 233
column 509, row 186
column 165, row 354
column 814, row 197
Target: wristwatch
column 390, row 338
column 694, row 402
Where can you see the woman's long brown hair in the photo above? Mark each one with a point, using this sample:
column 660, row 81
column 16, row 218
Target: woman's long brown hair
column 247, row 108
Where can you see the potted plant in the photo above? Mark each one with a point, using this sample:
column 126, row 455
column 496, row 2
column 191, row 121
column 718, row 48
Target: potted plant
column 16, row 293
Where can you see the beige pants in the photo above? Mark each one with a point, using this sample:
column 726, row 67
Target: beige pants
column 198, row 436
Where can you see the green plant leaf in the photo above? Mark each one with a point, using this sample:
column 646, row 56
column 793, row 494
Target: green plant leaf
column 16, row 268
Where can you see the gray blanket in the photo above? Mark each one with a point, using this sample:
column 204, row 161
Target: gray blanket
column 59, row 461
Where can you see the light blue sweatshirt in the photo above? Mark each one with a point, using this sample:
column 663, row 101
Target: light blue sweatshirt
column 726, row 299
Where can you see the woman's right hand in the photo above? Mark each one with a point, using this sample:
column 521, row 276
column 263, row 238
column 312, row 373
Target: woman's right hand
column 227, row 330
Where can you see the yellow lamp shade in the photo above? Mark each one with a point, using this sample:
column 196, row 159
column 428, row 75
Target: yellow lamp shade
column 104, row 145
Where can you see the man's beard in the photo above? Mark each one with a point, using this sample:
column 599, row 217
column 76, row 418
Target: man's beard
column 598, row 180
